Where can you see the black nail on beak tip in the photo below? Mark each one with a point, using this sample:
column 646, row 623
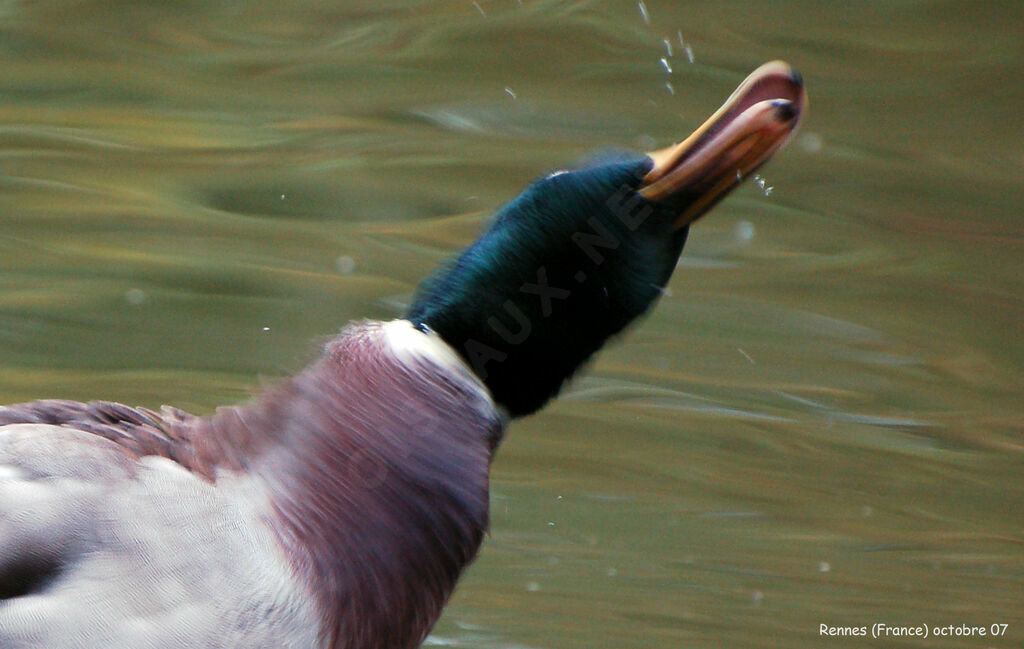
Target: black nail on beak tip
column 784, row 109
column 796, row 77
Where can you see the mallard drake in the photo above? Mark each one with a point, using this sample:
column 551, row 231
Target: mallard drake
column 337, row 509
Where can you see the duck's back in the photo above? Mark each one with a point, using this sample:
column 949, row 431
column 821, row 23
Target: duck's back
column 102, row 549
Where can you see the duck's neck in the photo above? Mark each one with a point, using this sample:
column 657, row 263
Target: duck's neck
column 379, row 478
column 565, row 266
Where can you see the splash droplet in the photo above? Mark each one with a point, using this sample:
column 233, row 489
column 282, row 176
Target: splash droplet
column 810, row 142
column 643, row 12
column 135, row 296
column 766, row 189
column 345, row 264
column 744, row 231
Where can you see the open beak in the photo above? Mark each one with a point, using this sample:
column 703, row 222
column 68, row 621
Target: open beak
column 754, row 123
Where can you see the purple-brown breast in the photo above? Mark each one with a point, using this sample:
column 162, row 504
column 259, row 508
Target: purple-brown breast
column 375, row 464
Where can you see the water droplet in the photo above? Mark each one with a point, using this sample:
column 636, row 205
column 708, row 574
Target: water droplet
column 665, row 64
column 345, row 264
column 532, row 587
column 689, row 52
column 810, row 142
column 824, row 566
column 668, row 86
column 668, row 46
column 510, row 93
column 766, row 189
column 744, row 231
column 479, row 8
column 643, row 12
column 135, row 296
column 266, row 329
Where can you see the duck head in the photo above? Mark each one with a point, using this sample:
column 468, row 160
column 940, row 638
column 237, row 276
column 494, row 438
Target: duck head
column 580, row 254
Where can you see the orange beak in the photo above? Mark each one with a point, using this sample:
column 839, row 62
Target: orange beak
column 755, row 122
